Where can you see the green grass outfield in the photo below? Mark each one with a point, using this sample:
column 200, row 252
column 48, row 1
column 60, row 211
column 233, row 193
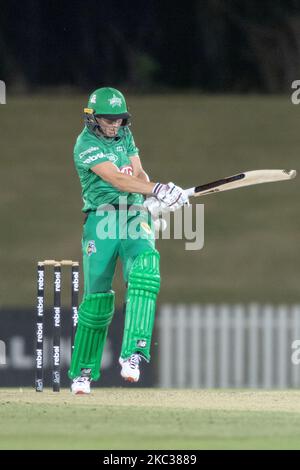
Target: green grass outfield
column 150, row 419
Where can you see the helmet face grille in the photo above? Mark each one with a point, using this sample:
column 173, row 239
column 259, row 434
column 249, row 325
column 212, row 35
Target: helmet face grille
column 94, row 127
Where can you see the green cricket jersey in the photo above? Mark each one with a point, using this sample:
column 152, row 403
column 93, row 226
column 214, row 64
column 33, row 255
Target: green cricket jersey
column 91, row 150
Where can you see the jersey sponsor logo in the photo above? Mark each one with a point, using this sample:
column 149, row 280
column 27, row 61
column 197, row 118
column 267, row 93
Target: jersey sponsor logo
column 92, row 158
column 93, row 99
column 127, row 169
column 115, row 101
column 89, row 150
column 111, row 157
column 120, row 148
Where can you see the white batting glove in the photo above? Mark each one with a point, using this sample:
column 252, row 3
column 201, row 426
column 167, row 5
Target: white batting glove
column 171, row 195
column 152, row 205
column 156, row 207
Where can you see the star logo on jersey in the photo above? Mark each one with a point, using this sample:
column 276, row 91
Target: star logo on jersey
column 91, row 248
column 115, row 101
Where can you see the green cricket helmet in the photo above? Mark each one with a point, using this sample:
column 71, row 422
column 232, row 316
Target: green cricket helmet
column 108, row 103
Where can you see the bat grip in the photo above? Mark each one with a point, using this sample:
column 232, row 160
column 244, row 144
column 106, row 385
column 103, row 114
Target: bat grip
column 189, row 192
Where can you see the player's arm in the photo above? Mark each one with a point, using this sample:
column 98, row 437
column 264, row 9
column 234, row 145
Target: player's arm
column 170, row 195
column 126, row 183
column 138, row 170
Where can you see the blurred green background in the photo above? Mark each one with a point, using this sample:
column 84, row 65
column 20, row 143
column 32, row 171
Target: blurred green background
column 251, row 235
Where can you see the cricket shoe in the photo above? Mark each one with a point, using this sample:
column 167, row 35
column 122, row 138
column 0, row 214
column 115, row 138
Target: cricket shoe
column 81, row 386
column 131, row 368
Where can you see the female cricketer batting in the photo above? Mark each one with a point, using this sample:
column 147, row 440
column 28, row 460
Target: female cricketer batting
column 114, row 186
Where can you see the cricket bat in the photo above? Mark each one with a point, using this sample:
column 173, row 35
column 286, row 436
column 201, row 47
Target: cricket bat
column 241, row 180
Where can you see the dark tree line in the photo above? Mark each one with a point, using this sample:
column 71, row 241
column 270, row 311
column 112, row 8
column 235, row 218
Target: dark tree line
column 211, row 45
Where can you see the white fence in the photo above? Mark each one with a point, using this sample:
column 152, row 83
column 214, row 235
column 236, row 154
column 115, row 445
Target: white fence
column 205, row 346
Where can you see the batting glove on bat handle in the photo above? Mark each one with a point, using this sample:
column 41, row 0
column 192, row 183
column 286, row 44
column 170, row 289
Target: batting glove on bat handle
column 171, row 195
column 189, row 192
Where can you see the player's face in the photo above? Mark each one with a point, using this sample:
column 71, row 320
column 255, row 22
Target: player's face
column 109, row 127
